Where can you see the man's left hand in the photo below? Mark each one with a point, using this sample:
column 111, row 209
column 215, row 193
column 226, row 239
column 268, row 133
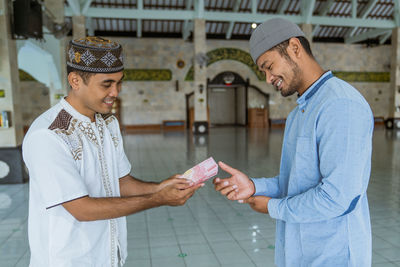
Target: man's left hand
column 258, row 203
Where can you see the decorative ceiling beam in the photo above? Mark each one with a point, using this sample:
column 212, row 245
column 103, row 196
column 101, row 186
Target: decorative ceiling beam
column 327, row 6
column 396, row 12
column 89, row 26
column 199, row 8
column 236, row 6
column 78, row 7
column 366, row 35
column 282, row 6
column 384, row 37
column 307, row 10
column 139, row 21
column 364, row 14
column 75, row 7
column 86, row 6
column 139, row 28
column 354, row 9
column 186, row 29
column 253, row 6
column 324, row 10
column 99, row 12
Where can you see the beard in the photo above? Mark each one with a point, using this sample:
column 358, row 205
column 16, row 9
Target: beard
column 296, row 83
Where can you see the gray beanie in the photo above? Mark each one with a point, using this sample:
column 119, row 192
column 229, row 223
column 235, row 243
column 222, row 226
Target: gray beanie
column 271, row 33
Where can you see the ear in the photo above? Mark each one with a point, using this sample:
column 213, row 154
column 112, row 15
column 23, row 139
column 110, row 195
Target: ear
column 295, row 48
column 74, row 80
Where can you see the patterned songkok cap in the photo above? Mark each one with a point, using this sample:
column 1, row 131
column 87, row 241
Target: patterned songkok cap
column 95, row 54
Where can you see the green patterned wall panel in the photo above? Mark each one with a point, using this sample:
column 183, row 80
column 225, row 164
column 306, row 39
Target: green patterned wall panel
column 228, row 54
column 363, row 76
column 147, row 75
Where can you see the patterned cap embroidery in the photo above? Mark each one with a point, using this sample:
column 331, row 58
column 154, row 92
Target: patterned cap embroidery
column 95, row 54
column 88, row 58
column 108, row 59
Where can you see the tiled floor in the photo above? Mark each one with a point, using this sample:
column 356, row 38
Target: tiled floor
column 210, row 230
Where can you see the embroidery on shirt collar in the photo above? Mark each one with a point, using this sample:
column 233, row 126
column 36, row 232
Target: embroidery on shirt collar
column 108, row 119
column 64, row 125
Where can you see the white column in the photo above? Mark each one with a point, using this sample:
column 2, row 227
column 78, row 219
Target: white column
column 56, row 7
column 200, row 76
column 9, row 82
column 395, row 74
column 78, row 27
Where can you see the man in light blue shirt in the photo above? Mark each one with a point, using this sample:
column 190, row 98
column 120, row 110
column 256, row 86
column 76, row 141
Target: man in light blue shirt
column 319, row 197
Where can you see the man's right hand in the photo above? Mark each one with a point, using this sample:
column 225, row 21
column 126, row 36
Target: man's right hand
column 176, row 191
column 236, row 187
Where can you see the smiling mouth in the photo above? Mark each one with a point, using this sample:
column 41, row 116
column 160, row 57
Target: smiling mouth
column 278, row 84
column 109, row 102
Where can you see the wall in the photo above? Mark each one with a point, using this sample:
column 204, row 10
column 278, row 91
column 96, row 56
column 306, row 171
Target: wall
column 152, row 102
column 360, row 58
column 35, row 100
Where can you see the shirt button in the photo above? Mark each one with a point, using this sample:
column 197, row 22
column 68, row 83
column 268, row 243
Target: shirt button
column 302, row 110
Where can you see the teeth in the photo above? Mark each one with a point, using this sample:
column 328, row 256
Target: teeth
column 279, row 83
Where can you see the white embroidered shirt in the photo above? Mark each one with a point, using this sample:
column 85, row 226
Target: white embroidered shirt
column 69, row 157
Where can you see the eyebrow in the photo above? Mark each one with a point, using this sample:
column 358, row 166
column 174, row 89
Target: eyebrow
column 111, row 80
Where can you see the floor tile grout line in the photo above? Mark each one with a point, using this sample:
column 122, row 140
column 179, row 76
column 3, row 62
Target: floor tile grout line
column 148, row 236
column 205, row 238
column 176, row 236
column 229, row 230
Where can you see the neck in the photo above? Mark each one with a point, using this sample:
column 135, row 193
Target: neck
column 80, row 107
column 313, row 73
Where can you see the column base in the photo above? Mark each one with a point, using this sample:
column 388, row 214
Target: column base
column 200, row 127
column 12, row 168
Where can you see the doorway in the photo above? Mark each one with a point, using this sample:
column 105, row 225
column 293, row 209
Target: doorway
column 227, row 99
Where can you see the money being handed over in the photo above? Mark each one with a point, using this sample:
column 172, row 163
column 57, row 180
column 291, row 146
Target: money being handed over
column 202, row 171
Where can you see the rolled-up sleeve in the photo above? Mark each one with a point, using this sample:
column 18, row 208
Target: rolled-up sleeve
column 344, row 143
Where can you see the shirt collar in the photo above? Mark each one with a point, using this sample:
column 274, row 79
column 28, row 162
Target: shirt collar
column 314, row 87
column 71, row 110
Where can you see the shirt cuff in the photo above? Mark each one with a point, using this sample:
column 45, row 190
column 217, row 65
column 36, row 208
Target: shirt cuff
column 273, row 205
column 259, row 186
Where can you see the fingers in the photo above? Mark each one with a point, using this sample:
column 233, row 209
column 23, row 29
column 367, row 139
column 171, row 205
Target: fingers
column 221, row 184
column 229, row 189
column 216, row 180
column 232, row 195
column 180, row 181
column 227, row 168
column 189, row 192
column 183, row 186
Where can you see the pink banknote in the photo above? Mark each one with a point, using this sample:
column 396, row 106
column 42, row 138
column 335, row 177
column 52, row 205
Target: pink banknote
column 202, row 171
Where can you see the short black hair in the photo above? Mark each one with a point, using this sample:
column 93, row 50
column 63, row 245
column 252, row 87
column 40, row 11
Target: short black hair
column 281, row 48
column 84, row 74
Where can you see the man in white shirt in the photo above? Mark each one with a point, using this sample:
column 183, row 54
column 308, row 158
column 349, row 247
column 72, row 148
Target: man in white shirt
column 80, row 186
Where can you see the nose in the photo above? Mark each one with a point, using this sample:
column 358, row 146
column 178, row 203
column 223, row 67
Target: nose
column 114, row 91
column 268, row 77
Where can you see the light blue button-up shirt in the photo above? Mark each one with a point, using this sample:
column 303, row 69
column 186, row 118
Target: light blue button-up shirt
column 319, row 197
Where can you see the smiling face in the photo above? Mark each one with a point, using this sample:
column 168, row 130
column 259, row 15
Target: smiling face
column 95, row 96
column 281, row 71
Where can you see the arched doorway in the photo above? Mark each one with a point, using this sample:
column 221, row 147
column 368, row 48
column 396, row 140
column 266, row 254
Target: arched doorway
column 227, row 99
column 231, row 101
